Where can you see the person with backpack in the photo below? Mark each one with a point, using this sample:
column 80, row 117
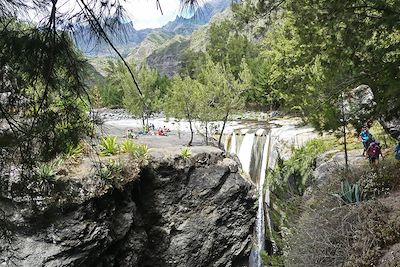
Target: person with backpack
column 374, row 151
column 365, row 137
column 397, row 151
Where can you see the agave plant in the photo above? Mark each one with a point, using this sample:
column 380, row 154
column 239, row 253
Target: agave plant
column 128, row 146
column 111, row 170
column 108, row 146
column 74, row 151
column 47, row 170
column 350, row 193
column 186, row 152
column 140, row 152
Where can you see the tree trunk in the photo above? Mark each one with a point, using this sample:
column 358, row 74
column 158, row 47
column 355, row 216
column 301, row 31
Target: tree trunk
column 223, row 128
column 143, row 120
column 206, row 133
column 191, row 131
column 346, row 159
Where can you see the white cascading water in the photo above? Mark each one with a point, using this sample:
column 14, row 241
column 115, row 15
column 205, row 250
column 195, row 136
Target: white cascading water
column 272, row 147
column 255, row 260
column 245, row 151
column 233, row 144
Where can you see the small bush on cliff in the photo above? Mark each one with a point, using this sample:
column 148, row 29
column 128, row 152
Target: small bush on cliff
column 293, row 174
column 108, row 146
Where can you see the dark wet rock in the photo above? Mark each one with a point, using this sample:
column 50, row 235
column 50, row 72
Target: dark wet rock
column 195, row 212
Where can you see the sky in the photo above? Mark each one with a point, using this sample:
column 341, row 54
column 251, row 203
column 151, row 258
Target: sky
column 144, row 13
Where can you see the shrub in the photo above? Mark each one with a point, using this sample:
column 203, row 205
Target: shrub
column 108, row 146
column 325, row 235
column 186, row 152
column 128, row 146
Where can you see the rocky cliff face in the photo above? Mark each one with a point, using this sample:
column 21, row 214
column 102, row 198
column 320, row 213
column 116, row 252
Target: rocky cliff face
column 197, row 212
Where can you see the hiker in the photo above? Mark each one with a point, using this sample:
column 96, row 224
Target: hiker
column 365, row 137
column 397, row 151
column 374, row 151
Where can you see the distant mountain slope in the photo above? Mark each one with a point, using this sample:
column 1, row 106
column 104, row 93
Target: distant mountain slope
column 168, row 57
column 153, row 41
column 126, row 38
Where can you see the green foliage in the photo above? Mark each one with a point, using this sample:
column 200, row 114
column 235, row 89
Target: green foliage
column 43, row 73
column 111, row 170
column 298, row 169
column 228, row 47
column 382, row 181
column 108, row 146
column 140, row 153
column 186, row 153
column 350, row 193
column 271, row 260
column 127, row 146
column 151, row 100
column 319, row 49
column 119, row 89
column 181, row 100
column 74, row 151
column 47, row 170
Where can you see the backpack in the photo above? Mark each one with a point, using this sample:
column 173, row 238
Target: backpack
column 397, row 154
column 374, row 150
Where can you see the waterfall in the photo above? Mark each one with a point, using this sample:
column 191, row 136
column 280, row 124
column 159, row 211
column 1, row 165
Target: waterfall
column 258, row 152
column 255, row 257
column 233, row 144
column 245, row 152
column 253, row 151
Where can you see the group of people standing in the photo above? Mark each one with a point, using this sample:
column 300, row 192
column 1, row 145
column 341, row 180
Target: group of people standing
column 372, row 147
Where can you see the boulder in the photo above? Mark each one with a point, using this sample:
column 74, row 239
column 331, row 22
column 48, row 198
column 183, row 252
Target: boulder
column 391, row 126
column 198, row 214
